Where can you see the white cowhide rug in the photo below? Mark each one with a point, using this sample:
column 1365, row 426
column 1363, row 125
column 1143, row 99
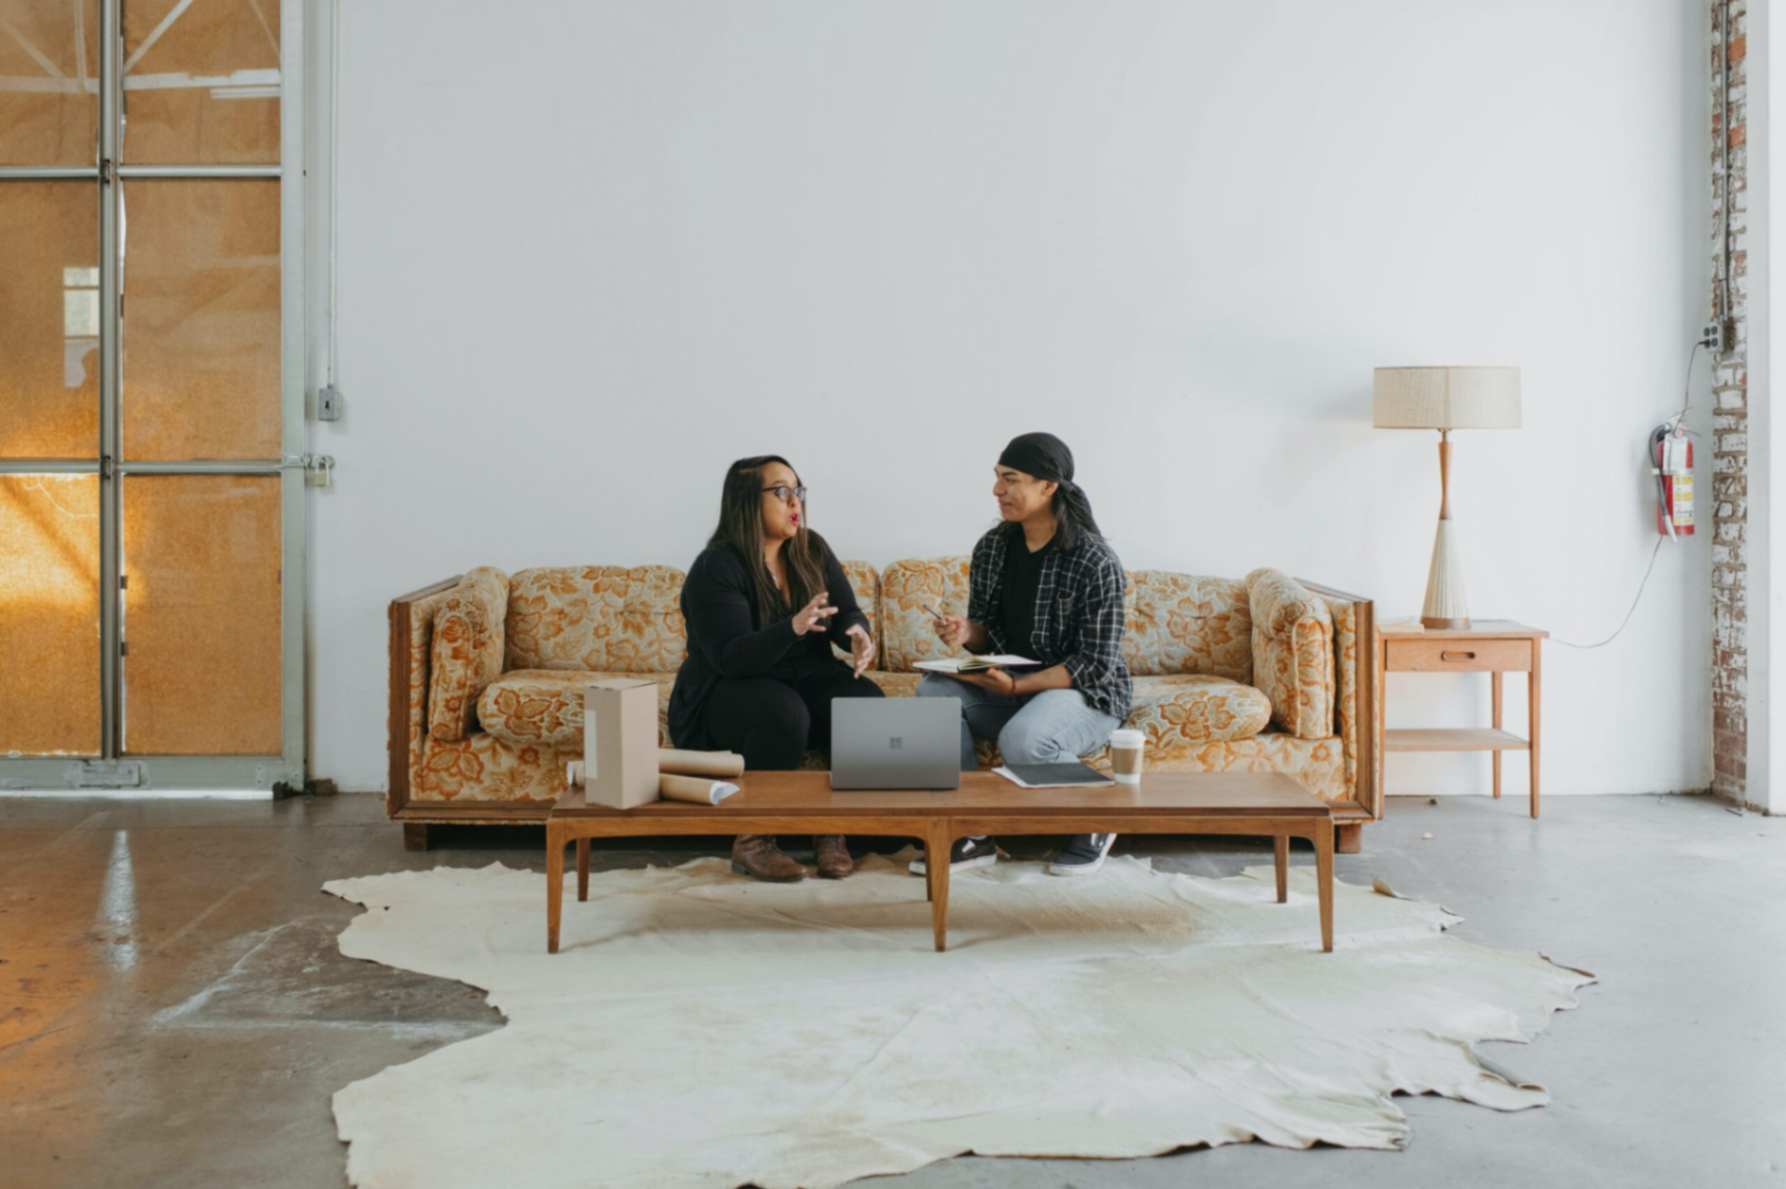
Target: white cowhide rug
column 701, row 1029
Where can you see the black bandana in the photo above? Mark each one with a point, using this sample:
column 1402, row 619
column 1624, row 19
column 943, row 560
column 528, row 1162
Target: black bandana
column 1040, row 454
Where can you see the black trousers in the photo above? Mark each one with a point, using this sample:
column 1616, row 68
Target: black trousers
column 772, row 721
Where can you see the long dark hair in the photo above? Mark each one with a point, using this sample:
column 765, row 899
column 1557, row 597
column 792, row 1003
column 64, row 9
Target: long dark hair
column 1073, row 521
column 741, row 527
column 1072, row 515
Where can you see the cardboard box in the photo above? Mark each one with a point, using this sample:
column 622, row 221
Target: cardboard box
column 620, row 742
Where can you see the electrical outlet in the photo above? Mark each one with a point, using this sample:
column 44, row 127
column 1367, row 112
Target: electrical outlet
column 329, row 404
column 1712, row 335
column 319, row 470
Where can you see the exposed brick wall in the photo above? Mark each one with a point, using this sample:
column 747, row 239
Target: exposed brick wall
column 1730, row 395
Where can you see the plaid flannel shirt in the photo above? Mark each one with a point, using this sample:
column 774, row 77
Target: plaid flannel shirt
column 1078, row 619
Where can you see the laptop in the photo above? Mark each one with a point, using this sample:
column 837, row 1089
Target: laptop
column 895, row 743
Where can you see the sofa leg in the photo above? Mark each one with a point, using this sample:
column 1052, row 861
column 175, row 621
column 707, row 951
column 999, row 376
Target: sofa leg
column 1348, row 840
column 415, row 836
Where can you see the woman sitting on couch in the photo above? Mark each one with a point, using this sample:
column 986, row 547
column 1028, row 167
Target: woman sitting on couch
column 764, row 603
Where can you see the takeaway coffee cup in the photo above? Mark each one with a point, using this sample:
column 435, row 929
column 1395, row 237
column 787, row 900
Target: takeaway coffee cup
column 1125, row 755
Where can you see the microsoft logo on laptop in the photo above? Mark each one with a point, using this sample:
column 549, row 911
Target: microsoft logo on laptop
column 895, row 742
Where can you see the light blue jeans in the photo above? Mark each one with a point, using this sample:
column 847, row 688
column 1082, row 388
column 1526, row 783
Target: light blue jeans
column 1052, row 727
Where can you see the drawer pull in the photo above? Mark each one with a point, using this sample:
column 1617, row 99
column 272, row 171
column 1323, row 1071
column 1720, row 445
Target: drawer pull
column 1457, row 656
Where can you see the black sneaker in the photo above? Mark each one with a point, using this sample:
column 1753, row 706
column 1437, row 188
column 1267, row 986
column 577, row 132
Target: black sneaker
column 965, row 855
column 1083, row 855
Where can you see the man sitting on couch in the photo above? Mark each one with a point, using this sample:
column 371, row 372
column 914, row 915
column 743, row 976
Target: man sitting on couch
column 1045, row 584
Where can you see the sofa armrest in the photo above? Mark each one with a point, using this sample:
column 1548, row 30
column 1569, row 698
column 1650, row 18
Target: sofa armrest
column 1292, row 653
column 412, row 634
column 467, row 651
column 1356, row 693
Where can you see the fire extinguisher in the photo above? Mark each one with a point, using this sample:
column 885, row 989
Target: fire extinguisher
column 1671, row 461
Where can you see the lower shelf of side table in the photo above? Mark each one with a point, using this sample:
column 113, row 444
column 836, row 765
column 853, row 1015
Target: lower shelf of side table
column 1453, row 739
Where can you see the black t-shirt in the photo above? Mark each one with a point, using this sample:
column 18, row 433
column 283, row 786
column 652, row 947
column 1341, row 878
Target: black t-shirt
column 1023, row 574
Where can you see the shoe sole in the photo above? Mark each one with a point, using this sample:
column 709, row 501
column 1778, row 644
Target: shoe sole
column 741, row 869
column 968, row 865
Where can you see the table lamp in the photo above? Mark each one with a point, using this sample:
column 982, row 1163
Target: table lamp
column 1445, row 398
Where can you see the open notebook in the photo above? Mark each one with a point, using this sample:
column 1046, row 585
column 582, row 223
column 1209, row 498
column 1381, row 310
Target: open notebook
column 974, row 664
column 1053, row 776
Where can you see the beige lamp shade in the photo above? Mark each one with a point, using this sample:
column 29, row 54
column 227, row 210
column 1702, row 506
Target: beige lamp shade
column 1445, row 398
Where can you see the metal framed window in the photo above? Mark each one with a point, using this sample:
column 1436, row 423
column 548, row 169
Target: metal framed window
column 152, row 432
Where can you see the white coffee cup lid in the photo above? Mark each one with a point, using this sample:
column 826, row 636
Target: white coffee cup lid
column 1127, row 737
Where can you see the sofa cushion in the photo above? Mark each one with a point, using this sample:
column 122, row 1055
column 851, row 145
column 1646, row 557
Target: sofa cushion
column 1173, row 623
column 465, row 653
column 1178, row 623
column 545, row 706
column 481, row 768
column 906, row 632
column 1293, row 653
column 615, row 619
column 1184, row 711
column 1316, row 764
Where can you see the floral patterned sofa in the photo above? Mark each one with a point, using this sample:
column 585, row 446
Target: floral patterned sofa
column 487, row 674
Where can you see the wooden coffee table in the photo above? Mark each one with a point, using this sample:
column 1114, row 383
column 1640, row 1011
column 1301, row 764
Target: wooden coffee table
column 803, row 803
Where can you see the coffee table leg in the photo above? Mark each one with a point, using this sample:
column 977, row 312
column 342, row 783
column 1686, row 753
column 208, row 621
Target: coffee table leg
column 1280, row 845
column 1324, row 881
column 554, row 884
column 938, row 844
column 582, row 868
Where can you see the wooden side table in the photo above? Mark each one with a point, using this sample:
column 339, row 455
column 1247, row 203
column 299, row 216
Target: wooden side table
column 1493, row 646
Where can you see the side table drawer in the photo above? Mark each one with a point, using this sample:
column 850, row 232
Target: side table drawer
column 1459, row 656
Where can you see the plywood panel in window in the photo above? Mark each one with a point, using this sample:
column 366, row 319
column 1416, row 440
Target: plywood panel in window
column 201, row 81
column 49, row 320
column 202, row 615
column 49, row 82
column 201, row 320
column 49, row 615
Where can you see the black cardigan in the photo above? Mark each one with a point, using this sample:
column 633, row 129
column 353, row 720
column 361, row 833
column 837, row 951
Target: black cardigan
column 729, row 636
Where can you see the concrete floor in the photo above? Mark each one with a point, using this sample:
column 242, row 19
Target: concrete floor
column 173, row 1010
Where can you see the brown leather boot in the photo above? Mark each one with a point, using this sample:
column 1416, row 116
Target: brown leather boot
column 833, row 856
column 757, row 856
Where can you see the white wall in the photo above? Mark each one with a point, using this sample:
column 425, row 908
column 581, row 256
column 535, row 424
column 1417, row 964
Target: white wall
column 591, row 252
column 1767, row 432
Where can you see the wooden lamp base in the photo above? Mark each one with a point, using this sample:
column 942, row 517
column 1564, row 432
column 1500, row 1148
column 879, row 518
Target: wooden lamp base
column 1447, row 605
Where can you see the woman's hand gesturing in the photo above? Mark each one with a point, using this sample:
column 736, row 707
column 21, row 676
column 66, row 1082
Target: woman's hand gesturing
column 861, row 649
column 813, row 616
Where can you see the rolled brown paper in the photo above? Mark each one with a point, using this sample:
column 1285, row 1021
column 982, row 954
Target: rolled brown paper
column 720, row 765
column 716, row 765
column 699, row 790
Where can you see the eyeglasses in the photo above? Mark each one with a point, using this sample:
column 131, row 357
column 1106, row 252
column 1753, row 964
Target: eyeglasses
column 786, row 494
